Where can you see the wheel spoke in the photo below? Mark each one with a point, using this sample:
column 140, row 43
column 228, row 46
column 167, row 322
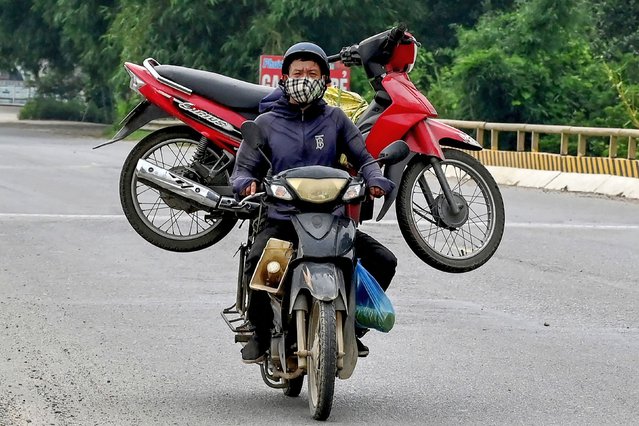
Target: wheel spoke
column 148, row 188
column 197, row 221
column 176, row 217
column 160, row 211
column 475, row 233
column 421, row 212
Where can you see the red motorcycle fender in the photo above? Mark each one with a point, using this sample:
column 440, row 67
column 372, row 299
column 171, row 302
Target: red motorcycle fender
column 393, row 172
column 427, row 136
column 143, row 113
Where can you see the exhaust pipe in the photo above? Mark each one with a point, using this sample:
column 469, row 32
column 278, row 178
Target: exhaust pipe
column 186, row 188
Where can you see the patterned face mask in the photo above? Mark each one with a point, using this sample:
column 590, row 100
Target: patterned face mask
column 305, row 90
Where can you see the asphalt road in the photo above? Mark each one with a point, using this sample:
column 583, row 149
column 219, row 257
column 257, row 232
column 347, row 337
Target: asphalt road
column 99, row 327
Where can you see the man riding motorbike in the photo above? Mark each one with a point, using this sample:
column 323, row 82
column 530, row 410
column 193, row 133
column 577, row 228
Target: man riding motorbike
column 300, row 129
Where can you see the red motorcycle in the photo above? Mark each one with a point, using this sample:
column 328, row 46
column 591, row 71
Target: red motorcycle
column 173, row 183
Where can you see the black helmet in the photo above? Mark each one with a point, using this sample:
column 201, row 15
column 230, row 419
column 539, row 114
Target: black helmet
column 306, row 51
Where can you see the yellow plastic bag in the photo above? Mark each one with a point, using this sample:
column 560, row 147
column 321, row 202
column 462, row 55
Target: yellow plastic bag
column 349, row 102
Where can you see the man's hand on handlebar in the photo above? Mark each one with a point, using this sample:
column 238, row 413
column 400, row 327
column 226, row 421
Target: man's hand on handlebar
column 249, row 190
column 376, row 192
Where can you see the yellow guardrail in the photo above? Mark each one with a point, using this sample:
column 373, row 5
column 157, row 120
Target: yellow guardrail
column 535, row 159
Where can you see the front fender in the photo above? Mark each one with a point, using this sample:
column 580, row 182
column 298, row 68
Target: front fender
column 324, row 281
column 393, row 172
column 427, row 136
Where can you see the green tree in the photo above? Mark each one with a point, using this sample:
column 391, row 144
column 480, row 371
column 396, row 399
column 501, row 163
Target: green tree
column 617, row 47
column 29, row 40
column 533, row 64
column 83, row 25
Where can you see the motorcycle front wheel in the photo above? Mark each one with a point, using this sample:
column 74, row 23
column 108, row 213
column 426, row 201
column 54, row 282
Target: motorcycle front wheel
column 451, row 242
column 322, row 361
column 161, row 218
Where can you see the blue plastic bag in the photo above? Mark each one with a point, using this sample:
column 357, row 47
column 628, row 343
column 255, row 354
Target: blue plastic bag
column 373, row 309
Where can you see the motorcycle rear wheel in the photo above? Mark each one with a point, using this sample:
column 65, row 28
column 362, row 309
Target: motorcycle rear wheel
column 164, row 220
column 427, row 228
column 322, row 362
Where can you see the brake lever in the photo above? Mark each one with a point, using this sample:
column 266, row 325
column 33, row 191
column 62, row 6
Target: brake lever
column 244, row 200
column 394, row 38
column 350, row 56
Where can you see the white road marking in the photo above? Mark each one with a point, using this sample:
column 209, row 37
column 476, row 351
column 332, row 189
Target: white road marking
column 61, row 216
column 532, row 225
column 54, row 167
column 529, row 225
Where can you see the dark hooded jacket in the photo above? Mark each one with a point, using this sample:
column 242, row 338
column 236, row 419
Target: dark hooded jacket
column 296, row 137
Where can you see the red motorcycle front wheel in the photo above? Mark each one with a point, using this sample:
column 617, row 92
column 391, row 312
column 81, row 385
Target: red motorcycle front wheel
column 451, row 242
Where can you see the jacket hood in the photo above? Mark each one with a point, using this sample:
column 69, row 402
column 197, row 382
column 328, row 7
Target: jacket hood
column 267, row 103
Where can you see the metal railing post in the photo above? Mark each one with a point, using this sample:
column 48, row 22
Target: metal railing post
column 521, row 140
column 480, row 136
column 494, row 139
column 534, row 142
column 563, row 149
column 612, row 150
column 581, row 145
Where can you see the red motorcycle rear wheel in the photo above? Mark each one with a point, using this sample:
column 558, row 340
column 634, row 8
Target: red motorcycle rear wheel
column 161, row 218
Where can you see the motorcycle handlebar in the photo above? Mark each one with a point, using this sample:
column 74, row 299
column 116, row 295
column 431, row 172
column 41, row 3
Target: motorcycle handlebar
column 350, row 55
column 243, row 206
column 397, row 33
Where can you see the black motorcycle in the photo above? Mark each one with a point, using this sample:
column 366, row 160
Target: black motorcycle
column 310, row 286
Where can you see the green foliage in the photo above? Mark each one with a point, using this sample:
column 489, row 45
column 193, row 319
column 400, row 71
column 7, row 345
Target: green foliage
column 28, row 38
column 542, row 61
column 617, row 28
column 48, row 108
column 532, row 65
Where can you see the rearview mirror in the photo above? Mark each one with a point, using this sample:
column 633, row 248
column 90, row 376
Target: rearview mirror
column 394, row 153
column 252, row 134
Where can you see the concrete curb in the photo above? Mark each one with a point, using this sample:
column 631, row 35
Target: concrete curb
column 614, row 186
column 51, row 124
column 9, row 118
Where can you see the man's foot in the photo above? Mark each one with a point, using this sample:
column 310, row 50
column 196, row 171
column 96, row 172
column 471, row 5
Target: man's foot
column 255, row 350
column 362, row 349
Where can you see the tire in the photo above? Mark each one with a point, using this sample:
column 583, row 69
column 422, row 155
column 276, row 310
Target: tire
column 186, row 228
column 322, row 363
column 459, row 247
column 294, row 387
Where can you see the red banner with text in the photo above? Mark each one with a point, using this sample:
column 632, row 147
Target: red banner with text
column 271, row 72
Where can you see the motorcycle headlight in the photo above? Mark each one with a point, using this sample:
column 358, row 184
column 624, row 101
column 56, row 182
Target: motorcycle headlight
column 317, row 190
column 136, row 82
column 280, row 191
column 353, row 191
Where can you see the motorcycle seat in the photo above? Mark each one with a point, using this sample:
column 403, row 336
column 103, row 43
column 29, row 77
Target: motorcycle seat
column 233, row 93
